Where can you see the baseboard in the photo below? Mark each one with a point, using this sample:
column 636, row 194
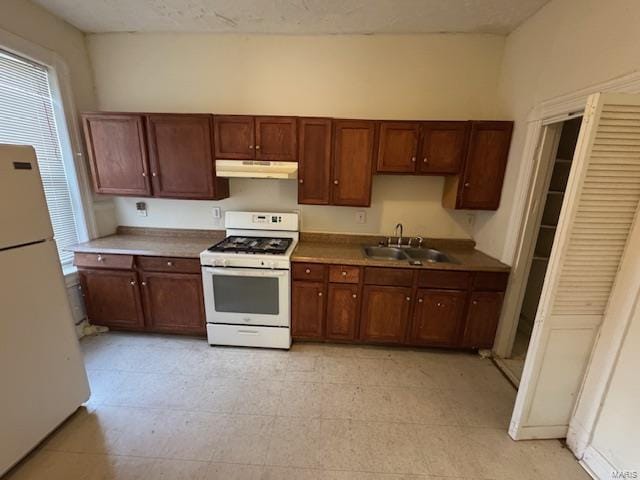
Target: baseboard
column 537, row 433
column 597, row 465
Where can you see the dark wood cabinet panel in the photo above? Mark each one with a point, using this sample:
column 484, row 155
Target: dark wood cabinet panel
column 385, row 314
column 482, row 319
column 479, row 187
column 234, row 137
column 438, row 317
column 103, row 260
column 117, row 153
column 276, row 139
column 344, row 274
column 398, row 147
column 352, row 162
column 169, row 264
column 314, row 157
column 314, row 272
column 307, row 310
column 181, row 157
column 173, row 302
column 388, row 276
column 443, row 147
column 112, row 298
column 343, row 308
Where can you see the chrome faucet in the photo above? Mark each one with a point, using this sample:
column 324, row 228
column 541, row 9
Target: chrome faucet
column 399, row 226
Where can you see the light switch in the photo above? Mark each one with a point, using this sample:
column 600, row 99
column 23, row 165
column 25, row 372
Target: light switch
column 141, row 208
column 361, row 216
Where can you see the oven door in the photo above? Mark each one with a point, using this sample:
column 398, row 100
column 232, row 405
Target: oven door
column 246, row 296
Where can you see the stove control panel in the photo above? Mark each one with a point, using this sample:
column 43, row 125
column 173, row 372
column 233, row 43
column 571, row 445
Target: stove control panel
column 261, row 221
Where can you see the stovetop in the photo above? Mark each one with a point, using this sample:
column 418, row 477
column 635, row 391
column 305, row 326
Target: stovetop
column 252, row 245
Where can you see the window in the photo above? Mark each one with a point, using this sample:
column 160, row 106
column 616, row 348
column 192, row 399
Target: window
column 27, row 116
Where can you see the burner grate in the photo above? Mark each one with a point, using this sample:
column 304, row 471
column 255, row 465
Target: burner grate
column 238, row 244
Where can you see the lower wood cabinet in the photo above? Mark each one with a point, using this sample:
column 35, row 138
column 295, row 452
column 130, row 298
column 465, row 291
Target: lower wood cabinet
column 112, row 298
column 173, row 302
column 307, row 310
column 482, row 319
column 343, row 309
column 396, row 306
column 156, row 294
column 385, row 314
column 438, row 317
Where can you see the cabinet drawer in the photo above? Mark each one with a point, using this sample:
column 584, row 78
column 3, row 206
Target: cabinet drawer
column 103, row 260
column 344, row 274
column 401, row 277
column 169, row 264
column 491, row 281
column 309, row 271
column 444, row 279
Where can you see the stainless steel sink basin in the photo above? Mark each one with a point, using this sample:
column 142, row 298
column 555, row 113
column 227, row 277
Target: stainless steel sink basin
column 385, row 253
column 430, row 255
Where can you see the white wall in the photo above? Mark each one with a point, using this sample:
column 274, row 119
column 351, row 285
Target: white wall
column 566, row 46
column 617, row 433
column 386, row 77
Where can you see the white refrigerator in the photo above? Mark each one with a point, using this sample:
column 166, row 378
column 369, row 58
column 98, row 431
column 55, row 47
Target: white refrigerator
column 42, row 375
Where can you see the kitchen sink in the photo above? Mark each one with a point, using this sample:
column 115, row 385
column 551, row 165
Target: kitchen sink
column 430, row 255
column 385, row 253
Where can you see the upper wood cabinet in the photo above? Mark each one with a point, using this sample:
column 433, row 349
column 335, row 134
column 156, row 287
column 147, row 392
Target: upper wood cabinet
column 353, row 149
column 244, row 137
column 479, row 186
column 117, row 153
column 234, row 137
column 442, row 147
column 173, row 160
column 398, row 147
column 430, row 148
column 181, row 157
column 314, row 160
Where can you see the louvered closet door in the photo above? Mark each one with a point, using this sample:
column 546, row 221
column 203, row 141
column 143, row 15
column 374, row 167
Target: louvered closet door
column 599, row 208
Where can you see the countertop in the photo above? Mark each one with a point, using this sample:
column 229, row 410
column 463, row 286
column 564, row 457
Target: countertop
column 153, row 242
column 319, row 250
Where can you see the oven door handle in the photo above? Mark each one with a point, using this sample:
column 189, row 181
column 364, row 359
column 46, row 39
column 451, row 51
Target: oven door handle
column 246, row 272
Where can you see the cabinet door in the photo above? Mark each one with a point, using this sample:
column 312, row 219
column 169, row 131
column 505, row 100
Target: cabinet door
column 314, row 157
column 443, row 147
column 482, row 319
column 181, row 156
column 307, row 310
column 234, row 137
column 117, row 153
column 276, row 139
column 352, row 162
column 483, row 173
column 385, row 313
column 397, row 147
column 438, row 317
column 173, row 302
column 112, row 298
column 343, row 308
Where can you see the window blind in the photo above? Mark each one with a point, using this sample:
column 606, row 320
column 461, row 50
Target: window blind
column 27, row 117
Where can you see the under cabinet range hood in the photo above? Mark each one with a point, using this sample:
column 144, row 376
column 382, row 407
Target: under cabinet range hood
column 256, row 169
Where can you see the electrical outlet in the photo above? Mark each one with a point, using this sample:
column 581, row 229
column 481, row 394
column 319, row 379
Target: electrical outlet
column 361, row 216
column 141, row 208
column 217, row 213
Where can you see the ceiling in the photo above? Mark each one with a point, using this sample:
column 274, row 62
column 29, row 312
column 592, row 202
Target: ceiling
column 295, row 16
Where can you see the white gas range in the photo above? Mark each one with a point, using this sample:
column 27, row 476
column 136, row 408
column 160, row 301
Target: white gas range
column 247, row 280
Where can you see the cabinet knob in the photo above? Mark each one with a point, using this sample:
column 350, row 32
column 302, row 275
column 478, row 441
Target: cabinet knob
column 355, row 295
column 425, row 160
column 475, row 302
column 301, row 180
column 100, row 259
column 420, row 300
column 257, row 147
column 251, row 147
column 169, row 264
column 307, row 271
column 344, row 274
column 154, row 174
column 319, row 294
column 439, row 304
column 408, row 299
column 335, row 182
column 132, row 282
column 144, row 284
column 413, row 159
column 467, row 185
column 144, row 174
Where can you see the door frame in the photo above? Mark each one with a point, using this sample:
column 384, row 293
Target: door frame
column 517, row 245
